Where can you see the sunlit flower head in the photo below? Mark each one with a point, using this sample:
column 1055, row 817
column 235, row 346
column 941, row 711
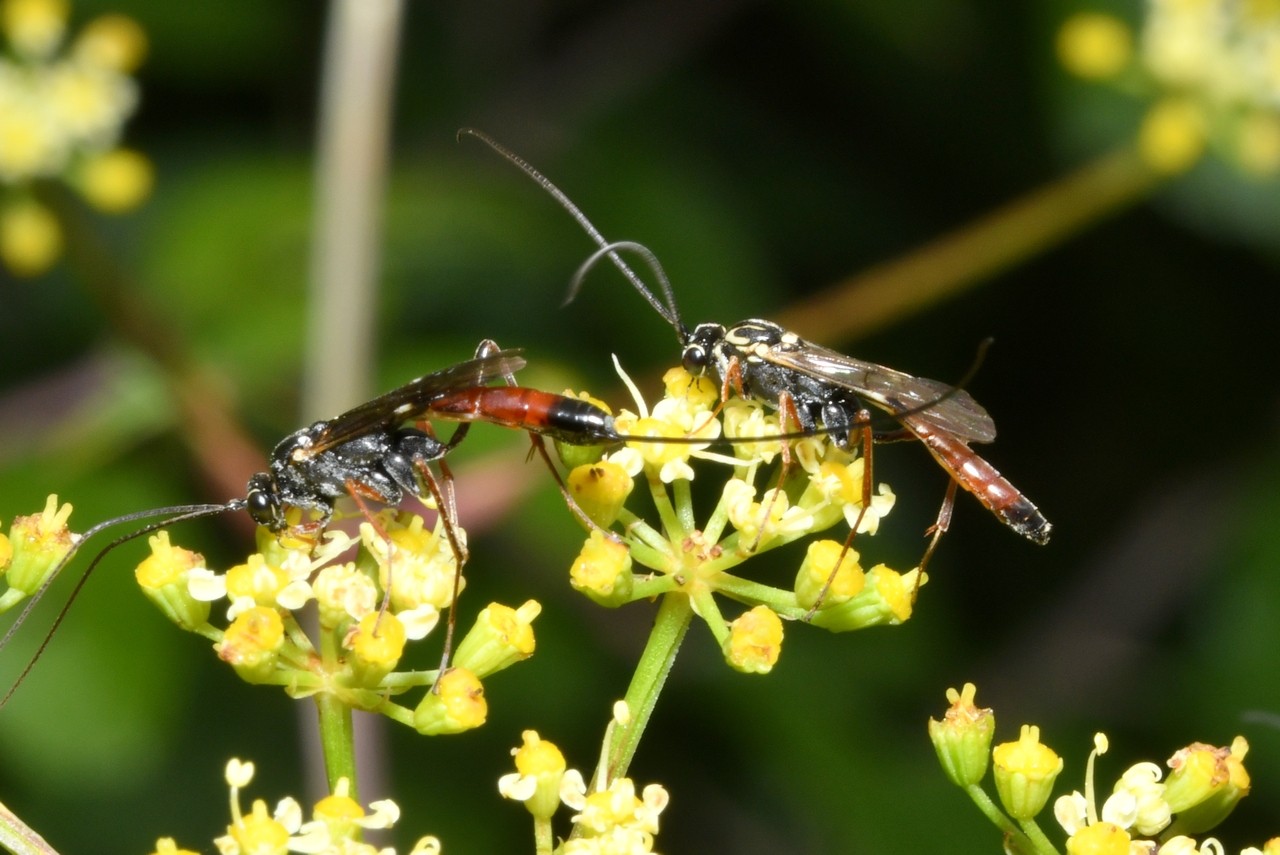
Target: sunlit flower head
column 62, row 111
column 1210, row 68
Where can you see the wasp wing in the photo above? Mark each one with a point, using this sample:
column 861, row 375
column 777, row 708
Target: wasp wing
column 413, row 400
column 944, row 407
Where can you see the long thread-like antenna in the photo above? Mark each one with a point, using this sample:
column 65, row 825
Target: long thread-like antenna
column 669, row 312
column 174, row 514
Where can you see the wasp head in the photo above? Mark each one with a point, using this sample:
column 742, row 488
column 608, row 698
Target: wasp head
column 262, row 501
column 700, row 346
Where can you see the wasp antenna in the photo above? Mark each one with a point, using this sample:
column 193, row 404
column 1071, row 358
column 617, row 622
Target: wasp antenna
column 176, row 513
column 670, row 313
column 961, row 385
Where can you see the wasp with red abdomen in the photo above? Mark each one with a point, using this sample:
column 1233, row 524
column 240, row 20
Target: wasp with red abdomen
column 819, row 388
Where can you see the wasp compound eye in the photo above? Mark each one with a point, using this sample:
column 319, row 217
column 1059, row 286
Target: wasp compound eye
column 694, row 360
column 261, row 504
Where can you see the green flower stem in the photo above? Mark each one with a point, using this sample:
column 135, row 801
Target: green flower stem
column 669, row 628
column 400, row 681
column 671, row 523
column 716, row 522
column 640, row 532
column 756, row 594
column 543, row 838
column 647, row 589
column 957, row 261
column 395, row 712
column 337, row 740
column 337, row 737
column 705, row 606
column 993, row 813
column 1037, row 838
column 684, row 505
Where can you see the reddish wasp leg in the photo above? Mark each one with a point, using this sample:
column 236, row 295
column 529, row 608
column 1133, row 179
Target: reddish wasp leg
column 354, row 492
column 787, row 414
column 448, row 517
column 936, row 530
column 868, row 486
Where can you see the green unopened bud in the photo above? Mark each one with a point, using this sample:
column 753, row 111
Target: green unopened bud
column 755, row 641
column 600, row 489
column 963, row 737
column 163, row 575
column 251, row 644
column 819, row 576
column 376, row 644
column 602, row 570
column 1025, row 771
column 39, row 542
column 500, row 637
column 1205, row 785
column 540, row 768
column 886, row 600
column 455, row 704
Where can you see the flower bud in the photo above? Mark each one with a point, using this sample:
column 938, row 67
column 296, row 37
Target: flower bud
column 602, row 570
column 454, row 705
column 500, row 637
column 963, row 737
column 755, row 641
column 1025, row 771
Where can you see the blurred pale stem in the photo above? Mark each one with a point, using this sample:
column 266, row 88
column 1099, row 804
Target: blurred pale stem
column 355, row 118
column 957, row 261
column 19, row 838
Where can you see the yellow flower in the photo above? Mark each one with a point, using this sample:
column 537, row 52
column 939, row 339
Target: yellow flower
column 602, row 570
column 1025, row 771
column 115, row 181
column 540, row 766
column 963, row 738
column 1172, row 137
column 501, row 637
column 376, row 644
column 455, row 704
column 755, row 641
column 30, row 237
column 818, row 573
column 252, row 642
column 163, row 576
column 1094, row 45
column 600, row 489
column 34, row 27
column 115, row 42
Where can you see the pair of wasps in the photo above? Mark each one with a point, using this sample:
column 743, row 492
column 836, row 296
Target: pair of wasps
column 372, row 453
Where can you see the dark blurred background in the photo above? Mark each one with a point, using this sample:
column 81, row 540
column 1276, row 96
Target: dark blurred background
column 764, row 152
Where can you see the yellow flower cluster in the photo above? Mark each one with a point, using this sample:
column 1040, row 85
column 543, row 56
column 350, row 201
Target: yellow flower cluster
column 62, row 108
column 1141, row 815
column 609, row 816
column 1210, row 67
column 363, row 632
column 336, row 823
column 774, row 492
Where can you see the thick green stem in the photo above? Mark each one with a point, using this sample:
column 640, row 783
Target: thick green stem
column 669, row 628
column 337, row 741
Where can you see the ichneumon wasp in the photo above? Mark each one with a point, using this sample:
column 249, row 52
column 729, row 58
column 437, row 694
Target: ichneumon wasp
column 821, row 389
column 377, row 452
column 372, row 452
